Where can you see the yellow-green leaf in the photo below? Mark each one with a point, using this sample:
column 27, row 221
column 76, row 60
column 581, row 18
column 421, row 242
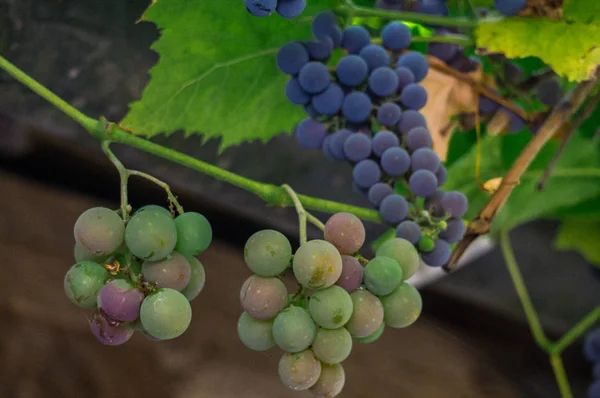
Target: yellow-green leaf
column 582, row 236
column 585, row 11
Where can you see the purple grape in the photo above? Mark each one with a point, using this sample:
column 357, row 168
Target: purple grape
column 263, row 297
column 319, row 50
column 314, row 77
column 455, row 230
column 109, row 333
column 310, row 133
column 336, row 144
column 295, row 94
column 329, row 102
column 174, row 272
column 120, row 301
column 423, row 183
column 425, row 159
column 548, row 92
column 393, row 209
column 383, row 81
column 409, row 230
column 439, row 255
column 352, row 70
column 389, row 114
column 291, row 58
column 375, row 56
column 455, row 204
column 411, row 119
column 290, row 8
column 464, row 64
column 378, row 192
column 417, row 64
column 384, row 140
column 355, row 38
column 591, row 346
column 517, row 123
column 395, row 161
column 352, row 274
column 366, row 173
column 441, row 175
column 443, row 51
column 345, row 231
column 433, row 204
column 260, row 8
column 396, row 36
column 357, row 147
column 405, row 77
column 357, row 107
column 487, row 105
column 419, row 137
column 414, row 96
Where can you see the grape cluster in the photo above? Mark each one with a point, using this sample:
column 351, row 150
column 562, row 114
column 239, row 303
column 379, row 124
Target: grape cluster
column 285, row 8
column 140, row 274
column 365, row 110
column 591, row 350
column 338, row 301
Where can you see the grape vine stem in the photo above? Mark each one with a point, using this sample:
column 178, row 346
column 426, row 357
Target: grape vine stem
column 303, row 215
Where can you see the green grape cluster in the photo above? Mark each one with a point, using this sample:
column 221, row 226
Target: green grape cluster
column 342, row 298
column 139, row 273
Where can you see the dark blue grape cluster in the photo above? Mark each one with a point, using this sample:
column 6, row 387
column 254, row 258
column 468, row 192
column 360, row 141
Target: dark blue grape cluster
column 591, row 350
column 285, row 8
column 365, row 110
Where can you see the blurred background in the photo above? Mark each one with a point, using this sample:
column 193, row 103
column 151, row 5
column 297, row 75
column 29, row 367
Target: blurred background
column 471, row 341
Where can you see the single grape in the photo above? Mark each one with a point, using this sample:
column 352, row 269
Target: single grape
column 317, row 264
column 367, row 316
column 174, row 272
column 291, row 58
column 166, row 314
column 352, row 274
column 382, row 275
column 389, row 114
column 411, row 119
column 395, row 161
column 517, row 123
column 263, row 298
column 513, row 73
column 326, row 148
column 441, row 174
column 591, row 346
column 455, row 204
column 357, row 107
column 194, row 233
column 290, row 8
column 549, row 92
column 443, row 51
column 357, row 147
column 260, row 8
column 138, row 327
column 464, row 64
column 414, row 96
column 120, row 301
column 384, row 140
column 329, row 102
column 295, row 94
column 160, row 209
column 332, row 345
column 320, row 50
column 331, row 307
column 439, row 255
column 268, row 253
column 355, row 38
column 314, row 77
column 402, row 307
column 596, row 371
column 486, row 105
column 352, row 70
column 593, row 391
column 405, row 77
column 372, row 337
column 336, row 143
column 197, row 279
column 416, row 62
column 331, row 381
column 425, row 159
column 423, row 183
column 398, row 5
column 323, row 24
column 310, row 133
column 83, row 281
column 82, row 254
column 396, row 36
column 345, row 231
column 403, row 252
column 151, row 235
column 375, row 56
column 393, row 209
column 454, row 232
column 409, row 230
column 432, row 7
column 418, row 138
column 426, row 243
column 433, row 204
column 366, row 173
column 107, row 332
column 383, row 81
column 299, row 370
column 510, row 7
column 99, row 230
column 294, row 330
column 254, row 333
column 378, row 192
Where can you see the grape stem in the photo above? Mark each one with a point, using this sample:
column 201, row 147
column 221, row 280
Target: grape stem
column 172, row 198
column 303, row 215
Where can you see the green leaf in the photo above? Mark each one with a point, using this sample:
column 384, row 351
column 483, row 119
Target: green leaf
column 571, row 49
column 582, row 236
column 460, row 144
column 513, row 145
column 217, row 74
column 585, row 11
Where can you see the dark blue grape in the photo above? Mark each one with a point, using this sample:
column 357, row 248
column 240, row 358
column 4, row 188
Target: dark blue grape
column 326, row 147
column 425, row 159
column 433, row 204
column 384, row 140
column 513, row 73
column 411, row 119
column 455, row 204
column 310, row 133
column 405, row 77
column 366, row 173
column 336, row 35
column 314, row 77
column 393, row 209
column 395, row 161
column 510, row 7
column 295, row 94
column 389, row 114
column 357, row 107
column 319, row 50
column 464, row 64
column 396, row 36
column 383, row 81
column 414, row 96
column 591, row 346
column 336, row 144
column 329, row 102
column 548, row 92
column 517, row 123
column 417, row 64
column 455, row 230
column 355, row 38
column 422, row 183
column 291, row 58
column 290, row 8
column 260, row 8
column 419, row 137
column 596, row 371
column 439, row 255
column 443, row 51
column 432, row 7
column 311, row 111
column 594, row 390
column 398, row 5
column 357, row 147
column 323, row 24
column 375, row 56
column 487, row 105
column 378, row 192
column 441, row 174
column 352, row 70
column 409, row 230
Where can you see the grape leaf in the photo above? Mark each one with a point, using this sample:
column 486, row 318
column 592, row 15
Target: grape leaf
column 586, row 11
column 216, row 74
column 571, row 49
column 580, row 235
